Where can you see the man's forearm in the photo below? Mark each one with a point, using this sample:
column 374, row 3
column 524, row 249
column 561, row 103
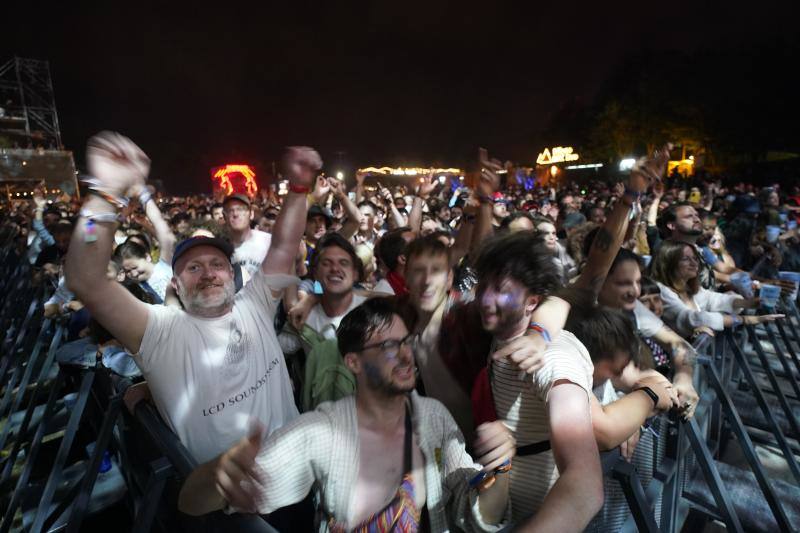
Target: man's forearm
column 415, row 217
column 621, row 419
column 571, row 503
column 286, row 234
column 87, row 262
column 199, row 494
column 604, row 248
column 493, row 502
column 353, row 217
column 166, row 239
column 483, row 226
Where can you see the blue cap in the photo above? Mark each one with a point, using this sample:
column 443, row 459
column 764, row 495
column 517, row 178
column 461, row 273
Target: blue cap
column 187, row 244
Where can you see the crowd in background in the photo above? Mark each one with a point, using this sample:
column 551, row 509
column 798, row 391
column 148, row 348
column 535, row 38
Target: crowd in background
column 517, row 330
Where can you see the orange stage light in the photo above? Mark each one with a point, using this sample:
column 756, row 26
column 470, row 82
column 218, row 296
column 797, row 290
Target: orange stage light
column 224, row 174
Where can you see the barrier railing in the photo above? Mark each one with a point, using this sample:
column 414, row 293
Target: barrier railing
column 720, row 363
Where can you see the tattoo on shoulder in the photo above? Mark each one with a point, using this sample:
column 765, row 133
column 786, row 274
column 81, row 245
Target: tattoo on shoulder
column 603, row 239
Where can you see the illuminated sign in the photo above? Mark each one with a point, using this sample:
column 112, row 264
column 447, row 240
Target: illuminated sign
column 559, row 154
column 224, row 174
column 401, row 171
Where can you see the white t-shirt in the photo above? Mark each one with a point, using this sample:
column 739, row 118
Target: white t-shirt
column 523, row 407
column 383, row 287
column 210, row 376
column 251, row 253
column 326, row 325
column 647, row 322
column 160, row 278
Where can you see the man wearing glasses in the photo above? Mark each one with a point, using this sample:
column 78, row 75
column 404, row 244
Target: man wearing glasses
column 382, row 457
column 250, row 246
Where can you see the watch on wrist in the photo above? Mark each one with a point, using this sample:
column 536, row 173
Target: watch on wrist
column 649, row 392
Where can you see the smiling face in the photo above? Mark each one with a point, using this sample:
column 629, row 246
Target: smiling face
column 335, row 271
column 428, row 278
column 504, row 305
column 622, row 286
column 388, row 370
column 688, row 264
column 137, row 269
column 204, row 281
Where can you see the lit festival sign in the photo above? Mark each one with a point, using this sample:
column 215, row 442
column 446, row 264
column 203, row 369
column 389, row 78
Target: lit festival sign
column 559, row 154
column 222, row 175
column 401, row 171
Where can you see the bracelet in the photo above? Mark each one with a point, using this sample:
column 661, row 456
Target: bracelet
column 98, row 217
column 649, row 392
column 299, row 189
column 145, row 197
column 96, row 188
column 535, row 326
column 737, row 320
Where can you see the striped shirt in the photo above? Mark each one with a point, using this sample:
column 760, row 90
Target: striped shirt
column 522, row 404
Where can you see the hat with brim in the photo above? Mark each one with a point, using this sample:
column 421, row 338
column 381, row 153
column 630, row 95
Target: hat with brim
column 192, row 242
column 240, row 197
column 317, row 211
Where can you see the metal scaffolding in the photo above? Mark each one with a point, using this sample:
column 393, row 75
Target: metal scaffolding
column 28, row 102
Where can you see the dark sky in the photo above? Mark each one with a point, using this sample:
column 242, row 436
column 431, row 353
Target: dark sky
column 381, row 82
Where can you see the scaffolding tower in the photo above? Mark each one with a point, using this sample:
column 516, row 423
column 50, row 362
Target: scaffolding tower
column 27, row 103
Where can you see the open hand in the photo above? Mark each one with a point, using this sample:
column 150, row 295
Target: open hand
column 648, row 170
column 426, row 186
column 116, row 162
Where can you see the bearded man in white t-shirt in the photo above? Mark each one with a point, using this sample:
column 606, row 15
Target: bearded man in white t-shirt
column 250, row 245
column 214, row 365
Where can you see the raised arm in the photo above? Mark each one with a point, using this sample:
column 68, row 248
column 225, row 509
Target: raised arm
column 578, row 493
column 487, row 185
column 166, row 239
column 301, row 165
column 610, row 236
column 116, row 164
column 350, row 209
column 424, row 190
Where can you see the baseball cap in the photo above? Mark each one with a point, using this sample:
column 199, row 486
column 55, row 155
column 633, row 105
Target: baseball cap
column 241, row 197
column 573, row 219
column 316, row 210
column 187, row 244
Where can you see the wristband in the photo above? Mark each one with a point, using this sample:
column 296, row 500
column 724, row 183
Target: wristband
column 299, row 189
column 535, row 326
column 634, row 195
column 737, row 320
column 649, row 392
column 145, row 197
column 98, row 217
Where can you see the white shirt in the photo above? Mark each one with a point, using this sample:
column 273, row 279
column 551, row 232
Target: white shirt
column 522, row 405
column 210, row 376
column 326, row 325
column 251, row 253
column 160, row 278
column 383, row 287
column 647, row 322
column 710, row 309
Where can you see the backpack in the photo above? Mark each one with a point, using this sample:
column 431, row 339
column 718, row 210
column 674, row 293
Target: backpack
column 326, row 376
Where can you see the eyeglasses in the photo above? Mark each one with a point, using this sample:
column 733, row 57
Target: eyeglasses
column 391, row 347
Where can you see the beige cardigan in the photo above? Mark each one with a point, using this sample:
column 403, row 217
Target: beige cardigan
column 320, row 450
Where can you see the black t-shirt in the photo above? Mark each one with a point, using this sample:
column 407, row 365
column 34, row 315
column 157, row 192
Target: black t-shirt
column 50, row 254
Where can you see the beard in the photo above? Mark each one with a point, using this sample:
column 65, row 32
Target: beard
column 380, row 383
column 200, row 304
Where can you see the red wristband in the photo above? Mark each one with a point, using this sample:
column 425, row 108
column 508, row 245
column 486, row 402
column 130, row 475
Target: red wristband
column 299, row 189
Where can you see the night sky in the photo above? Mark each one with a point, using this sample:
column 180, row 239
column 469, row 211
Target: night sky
column 365, row 83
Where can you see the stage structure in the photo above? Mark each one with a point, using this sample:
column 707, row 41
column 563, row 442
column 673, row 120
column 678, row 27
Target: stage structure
column 31, row 152
column 234, row 179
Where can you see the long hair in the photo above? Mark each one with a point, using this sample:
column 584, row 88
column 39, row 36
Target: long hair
column 667, row 262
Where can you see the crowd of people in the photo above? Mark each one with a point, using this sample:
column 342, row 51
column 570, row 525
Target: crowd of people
column 425, row 357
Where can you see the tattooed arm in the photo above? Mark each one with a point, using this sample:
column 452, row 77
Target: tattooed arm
column 611, row 234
